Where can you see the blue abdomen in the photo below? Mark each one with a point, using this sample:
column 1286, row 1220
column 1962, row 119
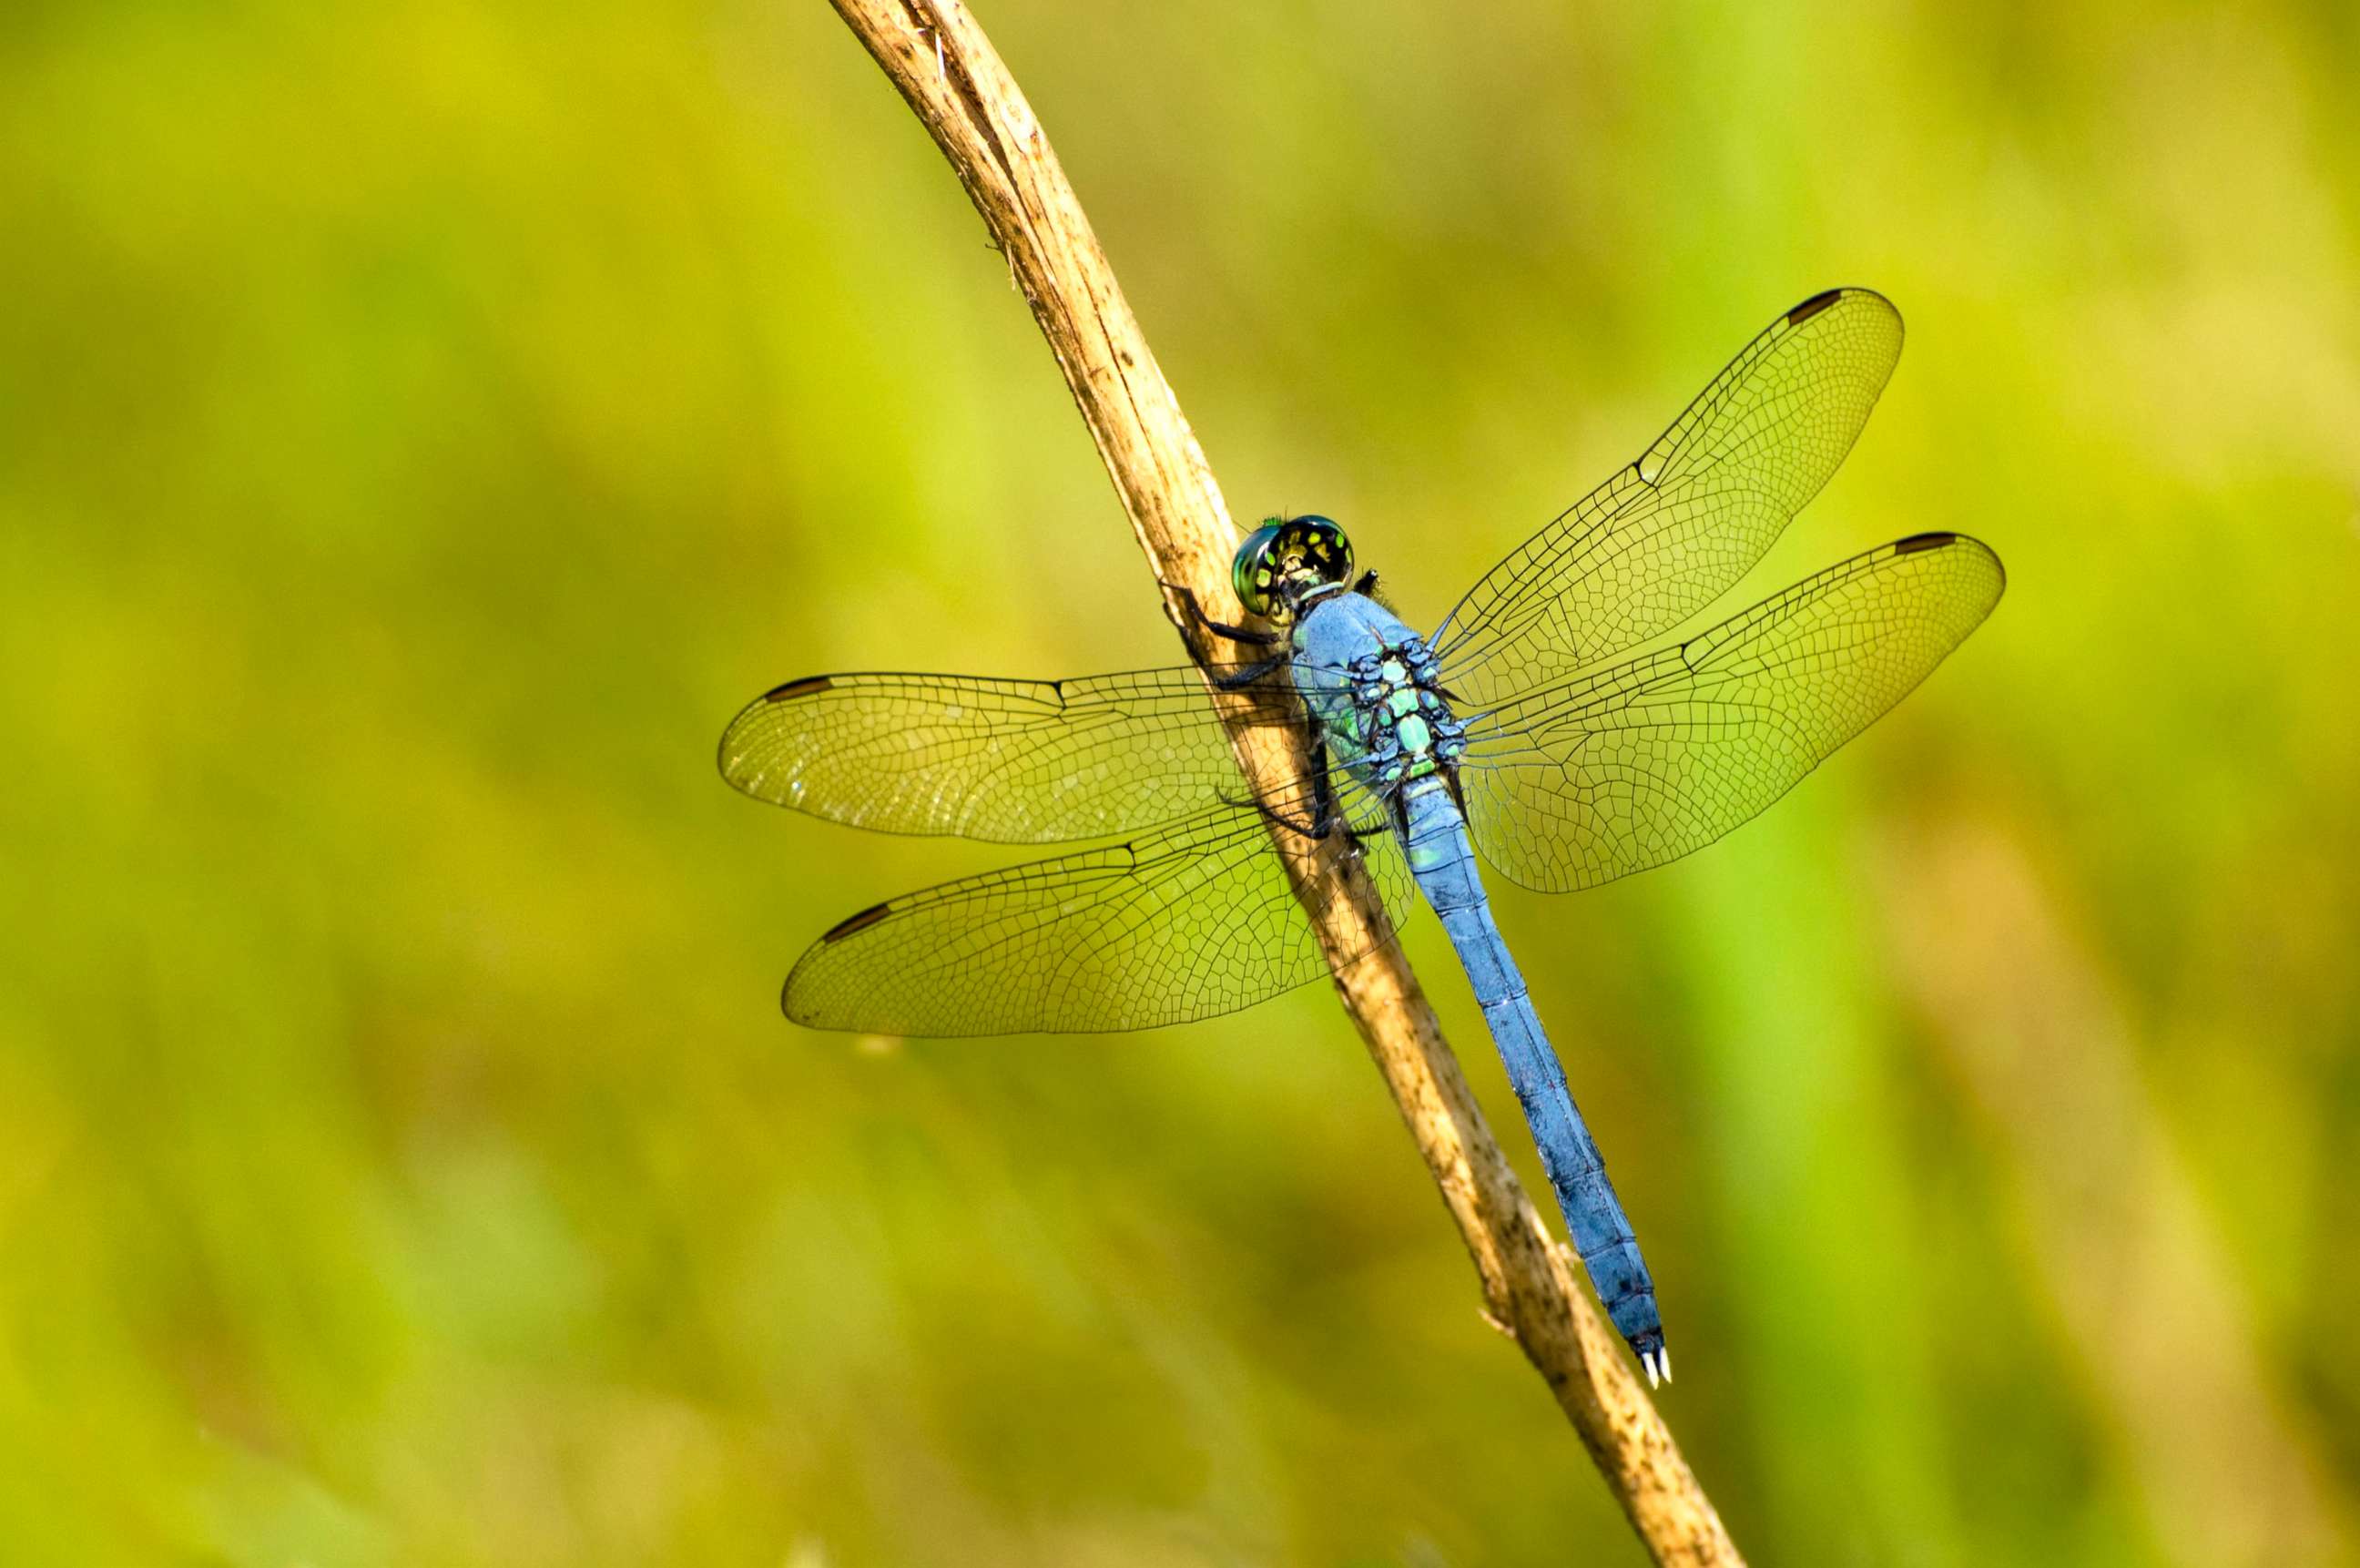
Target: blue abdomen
column 1369, row 683
column 1443, row 860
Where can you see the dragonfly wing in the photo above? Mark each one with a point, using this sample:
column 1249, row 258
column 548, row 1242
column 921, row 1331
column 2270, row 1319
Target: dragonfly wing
column 1190, row 921
column 1675, row 529
column 1008, row 761
column 1637, row 765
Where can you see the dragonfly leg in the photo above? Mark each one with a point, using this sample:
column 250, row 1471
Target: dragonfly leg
column 1316, row 831
column 1245, row 634
column 1324, row 815
column 1325, row 818
column 1245, row 675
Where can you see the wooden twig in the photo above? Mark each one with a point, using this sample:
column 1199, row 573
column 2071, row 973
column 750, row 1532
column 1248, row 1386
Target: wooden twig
column 952, row 78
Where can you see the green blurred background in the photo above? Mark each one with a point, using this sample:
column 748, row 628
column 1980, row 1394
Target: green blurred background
column 423, row 424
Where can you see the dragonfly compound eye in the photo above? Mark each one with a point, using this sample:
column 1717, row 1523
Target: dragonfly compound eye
column 1254, row 572
column 1286, row 562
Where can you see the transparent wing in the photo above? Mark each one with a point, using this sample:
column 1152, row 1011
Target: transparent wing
column 1006, row 761
column 1668, row 535
column 1188, row 921
column 1638, row 764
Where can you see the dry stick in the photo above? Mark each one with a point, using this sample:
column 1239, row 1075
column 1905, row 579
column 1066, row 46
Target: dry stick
column 952, row 78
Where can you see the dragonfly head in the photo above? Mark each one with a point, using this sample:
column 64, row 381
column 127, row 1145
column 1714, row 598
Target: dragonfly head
column 1287, row 563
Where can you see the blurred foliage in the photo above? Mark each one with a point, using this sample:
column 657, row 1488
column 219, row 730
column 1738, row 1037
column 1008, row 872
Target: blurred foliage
column 422, row 425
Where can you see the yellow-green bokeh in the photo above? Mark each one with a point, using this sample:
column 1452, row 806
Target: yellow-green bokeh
column 422, row 425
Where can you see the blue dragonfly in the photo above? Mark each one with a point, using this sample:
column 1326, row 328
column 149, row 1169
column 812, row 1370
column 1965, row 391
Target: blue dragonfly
column 1524, row 729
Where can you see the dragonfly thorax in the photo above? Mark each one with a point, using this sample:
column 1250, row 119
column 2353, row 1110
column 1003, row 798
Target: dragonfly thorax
column 1374, row 687
column 1289, row 562
column 1404, row 719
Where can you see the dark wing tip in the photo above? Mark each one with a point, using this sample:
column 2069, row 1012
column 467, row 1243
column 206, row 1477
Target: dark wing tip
column 1917, row 542
column 852, row 923
column 799, row 1010
column 810, row 685
column 1813, row 306
column 748, row 720
column 1851, row 296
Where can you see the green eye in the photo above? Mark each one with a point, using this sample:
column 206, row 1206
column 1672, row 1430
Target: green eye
column 1253, row 574
column 1325, row 554
column 1286, row 562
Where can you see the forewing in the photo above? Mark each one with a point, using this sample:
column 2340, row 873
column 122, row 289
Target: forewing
column 1675, row 529
column 1008, row 761
column 1638, row 764
column 1188, row 922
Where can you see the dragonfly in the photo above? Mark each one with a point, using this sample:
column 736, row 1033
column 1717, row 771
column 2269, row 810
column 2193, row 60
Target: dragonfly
column 1542, row 730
